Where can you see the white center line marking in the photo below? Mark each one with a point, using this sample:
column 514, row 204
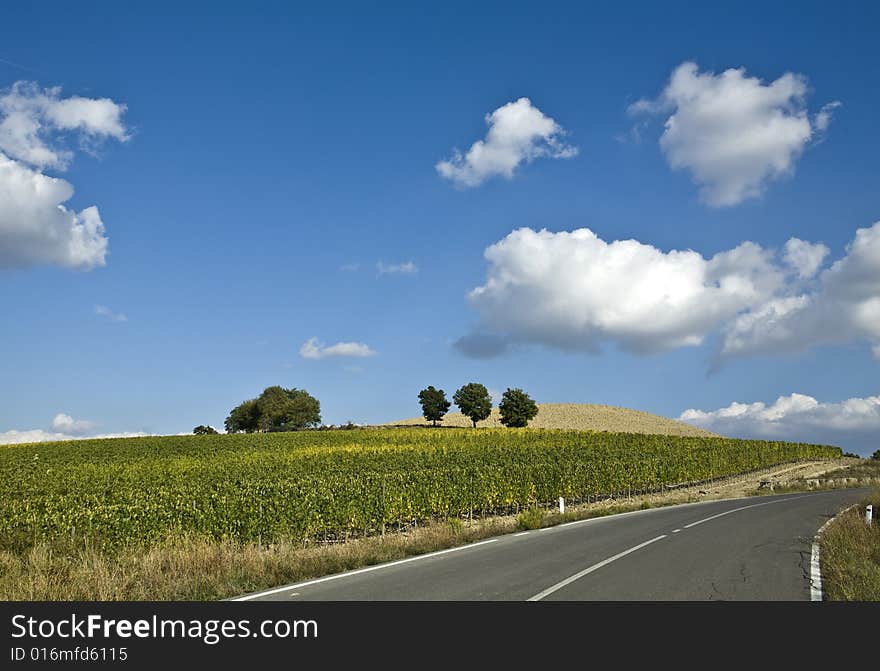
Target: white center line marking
column 378, row 567
column 675, row 531
column 736, row 510
column 590, row 569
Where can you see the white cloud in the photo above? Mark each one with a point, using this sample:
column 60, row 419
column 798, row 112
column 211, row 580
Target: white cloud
column 407, row 268
column 518, row 133
column 844, row 307
column 732, row 132
column 573, row 291
column 804, row 258
column 823, row 117
column 39, row 436
column 852, row 424
column 66, row 424
column 350, row 267
column 35, row 225
column 314, row 349
column 31, row 117
column 104, row 311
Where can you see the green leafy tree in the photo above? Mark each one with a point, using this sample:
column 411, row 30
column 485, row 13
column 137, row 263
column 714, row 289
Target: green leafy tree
column 434, row 404
column 243, row 417
column 204, row 430
column 287, row 409
column 517, row 408
column 276, row 409
column 876, row 455
column 474, row 402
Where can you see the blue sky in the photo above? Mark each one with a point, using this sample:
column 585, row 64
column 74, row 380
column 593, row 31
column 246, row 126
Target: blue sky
column 269, row 158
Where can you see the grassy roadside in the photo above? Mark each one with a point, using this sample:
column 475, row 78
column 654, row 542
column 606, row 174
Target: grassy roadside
column 850, row 554
column 199, row 569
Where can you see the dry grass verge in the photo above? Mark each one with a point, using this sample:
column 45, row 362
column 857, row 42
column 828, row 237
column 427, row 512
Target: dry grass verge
column 851, row 556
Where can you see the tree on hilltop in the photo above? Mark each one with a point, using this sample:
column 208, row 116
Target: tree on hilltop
column 205, row 430
column 276, row 409
column 243, row 417
column 517, row 408
column 474, row 402
column 434, row 404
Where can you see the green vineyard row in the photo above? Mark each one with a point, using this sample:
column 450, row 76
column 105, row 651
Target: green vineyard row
column 294, row 486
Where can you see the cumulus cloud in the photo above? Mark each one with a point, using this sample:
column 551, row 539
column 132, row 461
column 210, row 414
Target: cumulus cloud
column 573, row 291
column 852, row 424
column 732, row 132
column 36, row 227
column 804, row 258
column 31, row 117
column 844, row 307
column 518, row 133
column 406, row 268
column 104, row 311
column 314, row 349
column 66, row 424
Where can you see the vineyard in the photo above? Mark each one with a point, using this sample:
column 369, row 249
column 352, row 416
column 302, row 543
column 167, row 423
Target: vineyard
column 130, row 492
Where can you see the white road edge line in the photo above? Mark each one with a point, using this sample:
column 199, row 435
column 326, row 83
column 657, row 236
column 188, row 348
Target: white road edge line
column 590, row 569
column 377, row 567
column 521, row 533
column 675, row 531
column 736, row 510
column 815, row 565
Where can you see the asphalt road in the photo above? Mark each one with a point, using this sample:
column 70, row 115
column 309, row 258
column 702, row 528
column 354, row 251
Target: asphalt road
column 755, row 548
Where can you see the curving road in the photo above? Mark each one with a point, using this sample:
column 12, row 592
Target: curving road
column 755, row 548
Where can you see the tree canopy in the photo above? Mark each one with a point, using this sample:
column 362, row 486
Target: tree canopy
column 276, row 409
column 434, row 404
column 205, row 430
column 517, row 408
column 474, row 402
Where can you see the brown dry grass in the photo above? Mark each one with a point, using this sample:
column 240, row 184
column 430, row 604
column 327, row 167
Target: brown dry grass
column 583, row 417
column 851, row 556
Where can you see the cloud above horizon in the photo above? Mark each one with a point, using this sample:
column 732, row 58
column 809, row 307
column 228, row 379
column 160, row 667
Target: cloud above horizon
column 406, row 268
column 15, row 437
column 63, row 423
column 573, row 291
column 35, row 225
column 104, row 311
column 734, row 133
column 315, row 349
column 518, row 133
column 853, row 424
